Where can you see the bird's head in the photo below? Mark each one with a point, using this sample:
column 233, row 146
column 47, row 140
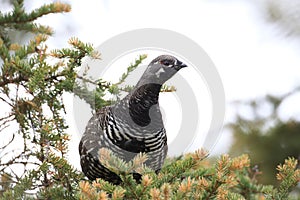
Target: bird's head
column 161, row 69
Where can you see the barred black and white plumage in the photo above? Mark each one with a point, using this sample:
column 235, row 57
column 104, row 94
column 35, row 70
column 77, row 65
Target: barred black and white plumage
column 131, row 126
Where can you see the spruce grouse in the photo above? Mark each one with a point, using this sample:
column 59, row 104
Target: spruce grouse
column 132, row 125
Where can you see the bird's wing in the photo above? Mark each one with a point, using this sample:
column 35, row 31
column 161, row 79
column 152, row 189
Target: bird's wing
column 92, row 139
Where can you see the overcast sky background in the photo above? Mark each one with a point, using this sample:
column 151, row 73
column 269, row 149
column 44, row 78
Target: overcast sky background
column 254, row 56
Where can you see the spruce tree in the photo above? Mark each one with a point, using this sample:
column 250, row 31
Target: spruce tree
column 32, row 82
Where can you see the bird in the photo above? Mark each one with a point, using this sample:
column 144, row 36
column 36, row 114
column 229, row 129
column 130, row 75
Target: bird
column 131, row 126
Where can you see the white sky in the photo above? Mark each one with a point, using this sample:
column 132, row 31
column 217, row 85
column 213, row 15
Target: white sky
column 251, row 55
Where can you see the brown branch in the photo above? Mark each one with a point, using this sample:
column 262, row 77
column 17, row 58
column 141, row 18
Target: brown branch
column 11, row 161
column 9, row 142
column 4, row 121
column 20, row 79
column 4, row 100
column 87, row 80
column 17, row 80
column 106, row 85
column 15, row 161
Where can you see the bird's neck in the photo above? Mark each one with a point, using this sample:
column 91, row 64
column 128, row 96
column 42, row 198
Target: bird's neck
column 143, row 103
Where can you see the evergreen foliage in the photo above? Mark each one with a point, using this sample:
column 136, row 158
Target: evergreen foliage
column 190, row 177
column 32, row 82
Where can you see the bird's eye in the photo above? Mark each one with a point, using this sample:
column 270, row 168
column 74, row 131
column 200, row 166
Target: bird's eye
column 166, row 62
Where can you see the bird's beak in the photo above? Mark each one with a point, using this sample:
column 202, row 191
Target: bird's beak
column 179, row 65
column 182, row 65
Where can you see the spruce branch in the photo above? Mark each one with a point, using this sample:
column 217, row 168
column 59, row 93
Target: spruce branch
column 228, row 178
column 119, row 166
column 131, row 68
column 288, row 175
column 32, row 84
column 19, row 16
